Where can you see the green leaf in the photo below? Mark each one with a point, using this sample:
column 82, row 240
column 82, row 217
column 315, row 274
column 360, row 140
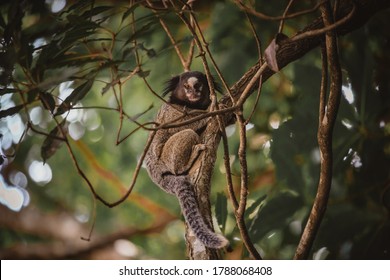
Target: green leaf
column 53, row 141
column 140, row 32
column 47, row 101
column 81, row 29
column 47, row 54
column 77, row 22
column 2, row 22
column 7, row 90
column 32, row 95
column 129, row 11
column 77, row 94
column 221, row 210
column 108, row 86
column 64, row 107
column 14, row 26
column 151, row 53
column 78, row 6
column 95, row 11
column 11, row 111
column 143, row 74
column 275, row 214
column 251, row 209
column 25, row 52
column 7, row 61
column 80, row 92
column 127, row 52
column 57, row 77
column 76, row 60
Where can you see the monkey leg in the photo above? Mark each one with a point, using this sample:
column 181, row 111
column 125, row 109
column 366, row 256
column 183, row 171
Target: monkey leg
column 181, row 150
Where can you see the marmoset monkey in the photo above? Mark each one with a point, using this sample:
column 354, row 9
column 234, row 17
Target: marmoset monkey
column 173, row 151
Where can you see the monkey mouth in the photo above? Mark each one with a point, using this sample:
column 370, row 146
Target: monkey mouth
column 194, row 97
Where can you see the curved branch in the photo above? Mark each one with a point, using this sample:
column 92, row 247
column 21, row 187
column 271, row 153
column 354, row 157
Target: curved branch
column 327, row 28
column 325, row 131
column 240, row 211
column 249, row 10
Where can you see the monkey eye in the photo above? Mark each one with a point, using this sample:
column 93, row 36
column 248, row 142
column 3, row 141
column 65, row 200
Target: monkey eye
column 198, row 86
column 186, row 86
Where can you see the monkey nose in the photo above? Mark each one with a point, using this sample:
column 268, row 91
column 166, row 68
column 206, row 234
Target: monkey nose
column 193, row 91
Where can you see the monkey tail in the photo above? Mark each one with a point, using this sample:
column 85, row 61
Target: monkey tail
column 184, row 191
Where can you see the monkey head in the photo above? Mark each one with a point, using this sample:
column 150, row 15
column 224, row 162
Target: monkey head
column 190, row 89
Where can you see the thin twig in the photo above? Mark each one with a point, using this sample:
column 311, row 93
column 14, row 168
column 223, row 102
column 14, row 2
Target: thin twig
column 248, row 89
column 201, row 54
column 252, row 11
column 207, row 50
column 327, row 28
column 190, row 55
column 78, row 168
column 259, row 52
column 284, row 16
column 229, row 179
column 92, row 227
column 171, row 38
column 135, row 175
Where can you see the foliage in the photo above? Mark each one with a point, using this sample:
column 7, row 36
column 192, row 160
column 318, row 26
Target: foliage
column 77, row 83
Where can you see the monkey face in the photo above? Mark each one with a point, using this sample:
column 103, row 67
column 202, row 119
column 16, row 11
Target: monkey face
column 190, row 89
column 193, row 89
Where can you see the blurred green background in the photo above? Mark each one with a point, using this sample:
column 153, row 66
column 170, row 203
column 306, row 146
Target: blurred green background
column 70, row 63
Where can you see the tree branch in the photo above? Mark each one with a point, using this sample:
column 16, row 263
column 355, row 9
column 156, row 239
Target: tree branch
column 327, row 120
column 291, row 50
column 61, row 234
column 240, row 211
column 288, row 52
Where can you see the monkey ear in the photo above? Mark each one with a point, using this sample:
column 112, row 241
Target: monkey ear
column 171, row 85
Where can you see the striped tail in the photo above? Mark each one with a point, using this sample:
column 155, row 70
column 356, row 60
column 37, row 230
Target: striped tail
column 190, row 209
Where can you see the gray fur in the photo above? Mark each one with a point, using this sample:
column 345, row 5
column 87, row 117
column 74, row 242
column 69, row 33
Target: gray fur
column 171, row 155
